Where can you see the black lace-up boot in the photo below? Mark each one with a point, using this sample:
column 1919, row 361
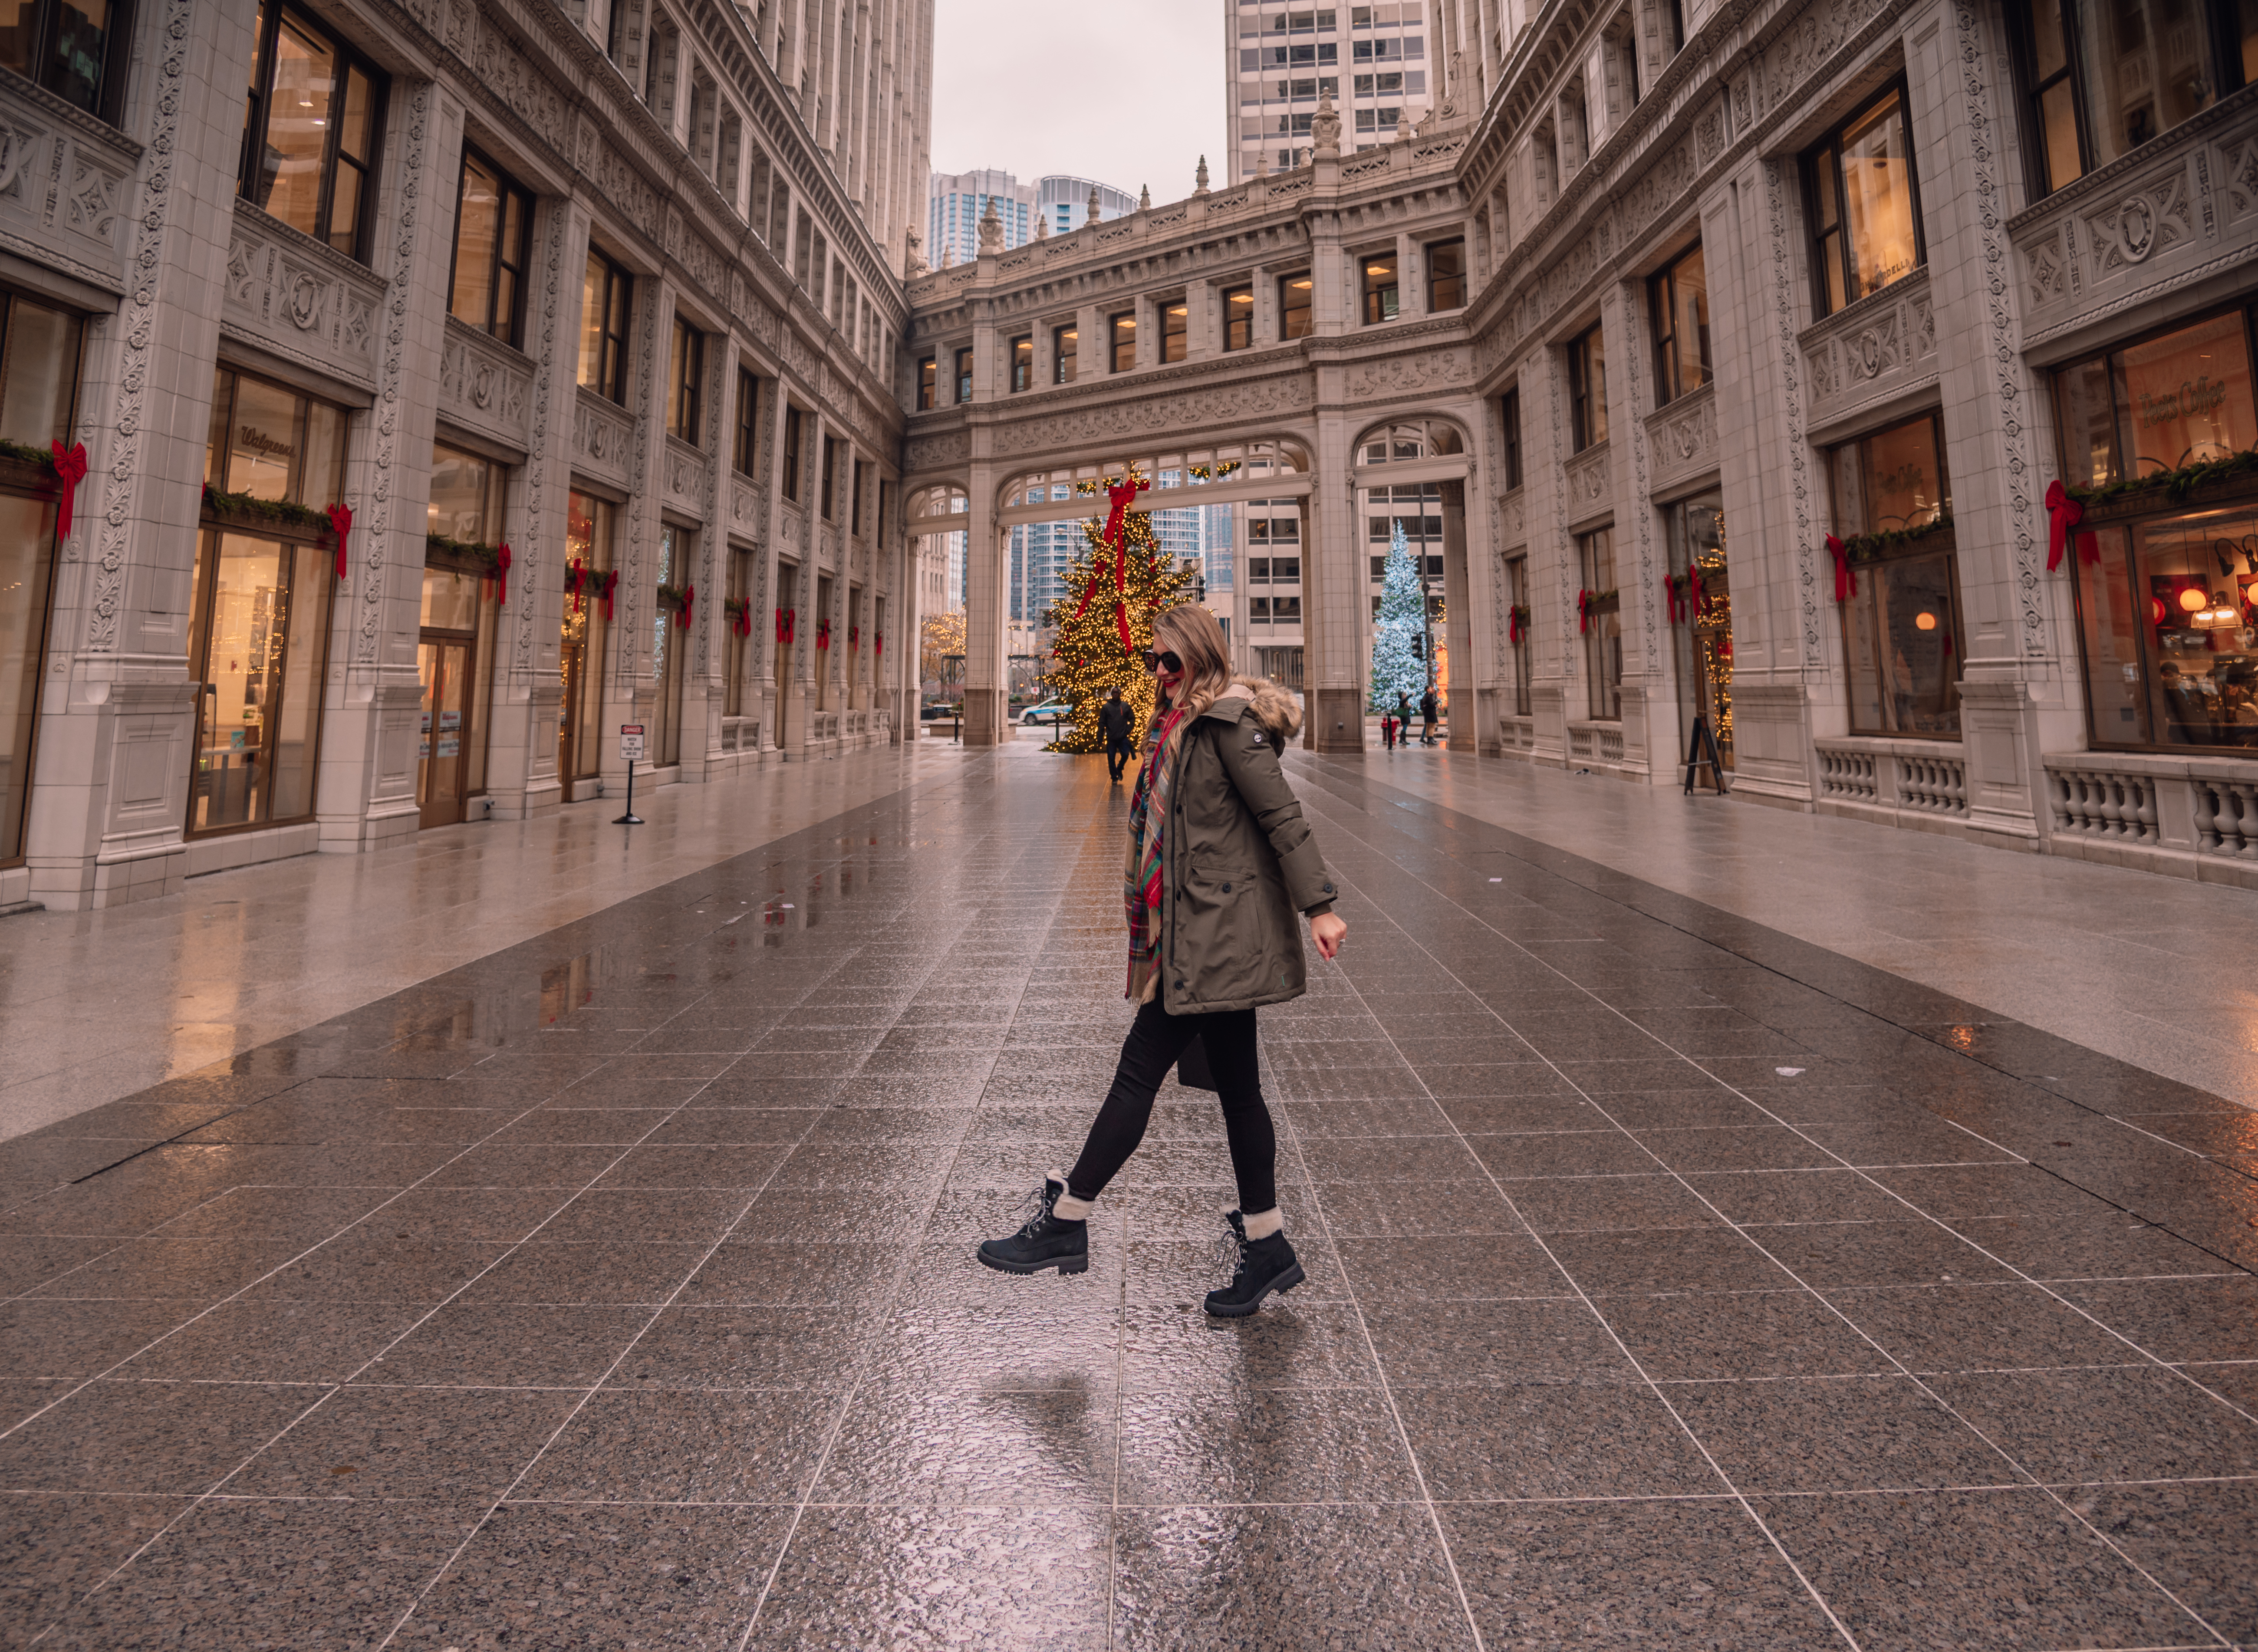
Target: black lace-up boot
column 1047, row 1240
column 1264, row 1266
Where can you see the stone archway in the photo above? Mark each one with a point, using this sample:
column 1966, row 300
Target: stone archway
column 1413, row 467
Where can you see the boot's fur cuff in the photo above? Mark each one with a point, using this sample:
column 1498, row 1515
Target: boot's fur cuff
column 1260, row 1224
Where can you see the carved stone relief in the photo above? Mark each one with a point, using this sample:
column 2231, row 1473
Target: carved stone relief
column 484, row 384
column 603, row 439
column 299, row 299
column 1682, row 437
column 65, row 188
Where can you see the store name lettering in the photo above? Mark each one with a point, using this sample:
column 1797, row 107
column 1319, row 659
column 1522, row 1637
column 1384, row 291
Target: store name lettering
column 252, row 439
column 2189, row 401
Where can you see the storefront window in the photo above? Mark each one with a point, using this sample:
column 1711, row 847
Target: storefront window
column 1602, row 623
column 739, row 649
column 41, row 348
column 1703, row 638
column 259, row 631
column 2180, row 398
column 1865, row 211
column 668, row 644
column 455, row 646
column 1902, row 629
column 2167, row 613
column 2165, row 594
column 581, row 713
column 1517, row 583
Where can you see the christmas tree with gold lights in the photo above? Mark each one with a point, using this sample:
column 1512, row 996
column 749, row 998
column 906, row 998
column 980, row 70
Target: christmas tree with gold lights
column 1114, row 589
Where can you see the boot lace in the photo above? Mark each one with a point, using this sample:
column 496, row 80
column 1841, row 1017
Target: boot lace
column 1230, row 1249
column 1034, row 1208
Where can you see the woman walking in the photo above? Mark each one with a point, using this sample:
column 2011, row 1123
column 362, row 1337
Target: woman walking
column 1220, row 861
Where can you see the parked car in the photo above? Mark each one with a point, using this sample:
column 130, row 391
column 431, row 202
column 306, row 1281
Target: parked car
column 1051, row 712
column 938, row 713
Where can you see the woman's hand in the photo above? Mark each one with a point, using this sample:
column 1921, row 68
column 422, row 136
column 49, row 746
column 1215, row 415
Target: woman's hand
column 1327, row 931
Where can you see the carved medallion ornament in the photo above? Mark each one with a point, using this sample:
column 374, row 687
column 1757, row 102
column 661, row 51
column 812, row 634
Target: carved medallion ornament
column 136, row 321
column 2001, row 339
column 390, row 376
column 2151, row 219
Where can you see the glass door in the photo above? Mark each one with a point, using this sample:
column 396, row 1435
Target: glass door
column 259, row 646
column 443, row 664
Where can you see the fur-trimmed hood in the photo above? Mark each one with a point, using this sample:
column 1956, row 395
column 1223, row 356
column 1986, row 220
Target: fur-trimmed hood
column 1273, row 705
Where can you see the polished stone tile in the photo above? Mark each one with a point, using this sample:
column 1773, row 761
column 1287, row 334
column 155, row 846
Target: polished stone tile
column 258, row 1340
column 476, row 1343
column 1605, row 1438
column 676, row 1447
column 2125, row 1422
column 146, row 1437
column 1471, row 1343
column 1978, row 1327
column 1714, row 1335
column 458, row 1446
column 544, row 1575
column 2177, row 1319
column 262, row 1572
column 1665, row 1259
column 2193, row 1538
column 1920, row 1569
column 1610, row 1575
column 55, row 1547
column 792, row 1350
column 916, row 1576
column 1837, row 1434
column 1261, row 1445
column 1331, row 1577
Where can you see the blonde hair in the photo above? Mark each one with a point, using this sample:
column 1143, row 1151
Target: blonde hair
column 1189, row 632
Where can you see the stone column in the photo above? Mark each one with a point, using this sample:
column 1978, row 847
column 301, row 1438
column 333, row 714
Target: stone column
column 366, row 795
column 987, row 602
column 116, row 747
column 630, row 693
column 526, row 692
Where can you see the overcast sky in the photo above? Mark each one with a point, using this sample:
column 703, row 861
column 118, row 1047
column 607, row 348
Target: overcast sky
column 1129, row 92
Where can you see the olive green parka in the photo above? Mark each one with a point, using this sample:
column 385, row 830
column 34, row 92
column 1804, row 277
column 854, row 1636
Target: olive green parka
column 1241, row 863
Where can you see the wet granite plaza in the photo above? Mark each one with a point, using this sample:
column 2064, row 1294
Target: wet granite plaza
column 1674, row 1282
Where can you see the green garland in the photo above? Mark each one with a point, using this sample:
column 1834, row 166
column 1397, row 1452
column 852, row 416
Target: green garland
column 280, row 513
column 1874, row 547
column 670, row 596
column 462, row 550
column 2175, row 484
column 23, row 455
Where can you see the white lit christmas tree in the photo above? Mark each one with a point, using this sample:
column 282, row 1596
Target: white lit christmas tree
column 1396, row 667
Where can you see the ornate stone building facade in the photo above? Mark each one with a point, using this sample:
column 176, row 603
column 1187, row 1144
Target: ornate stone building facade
column 585, row 314
column 1739, row 348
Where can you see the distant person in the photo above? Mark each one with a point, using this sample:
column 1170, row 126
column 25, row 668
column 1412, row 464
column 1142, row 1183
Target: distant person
column 1220, row 862
column 1428, row 706
column 1403, row 714
column 1117, row 722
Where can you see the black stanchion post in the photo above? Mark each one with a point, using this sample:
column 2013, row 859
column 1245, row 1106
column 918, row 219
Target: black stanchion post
column 630, row 748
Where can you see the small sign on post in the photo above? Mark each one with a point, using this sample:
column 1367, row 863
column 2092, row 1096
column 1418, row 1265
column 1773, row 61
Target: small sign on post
column 630, row 748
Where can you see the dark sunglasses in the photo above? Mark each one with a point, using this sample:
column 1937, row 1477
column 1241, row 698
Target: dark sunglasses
column 1162, row 662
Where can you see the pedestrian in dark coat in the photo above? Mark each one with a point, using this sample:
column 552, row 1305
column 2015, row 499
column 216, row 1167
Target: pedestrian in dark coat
column 1428, row 706
column 1221, row 862
column 1117, row 724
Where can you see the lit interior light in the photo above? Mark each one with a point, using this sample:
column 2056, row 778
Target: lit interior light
column 2222, row 615
column 1924, row 622
column 2191, row 599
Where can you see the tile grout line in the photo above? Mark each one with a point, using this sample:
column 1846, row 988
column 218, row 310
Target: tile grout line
column 1813, row 1292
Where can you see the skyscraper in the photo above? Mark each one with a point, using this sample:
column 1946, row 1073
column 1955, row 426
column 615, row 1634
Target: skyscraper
column 1372, row 60
column 955, row 202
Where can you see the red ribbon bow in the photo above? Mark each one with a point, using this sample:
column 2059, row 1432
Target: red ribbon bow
column 501, row 576
column 1515, row 630
column 1584, row 599
column 787, row 624
column 854, row 639
column 689, row 596
column 606, row 583
column 2066, row 514
column 575, row 576
column 1122, row 495
column 823, row 635
column 70, row 471
column 1674, row 596
column 877, row 642
column 341, row 524
column 1846, row 576
column 741, row 621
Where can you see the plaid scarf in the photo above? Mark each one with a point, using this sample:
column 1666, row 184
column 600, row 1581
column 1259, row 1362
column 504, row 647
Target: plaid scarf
column 1143, row 884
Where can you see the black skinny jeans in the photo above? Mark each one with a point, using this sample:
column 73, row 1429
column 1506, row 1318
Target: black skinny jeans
column 1117, row 757
column 1151, row 1049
